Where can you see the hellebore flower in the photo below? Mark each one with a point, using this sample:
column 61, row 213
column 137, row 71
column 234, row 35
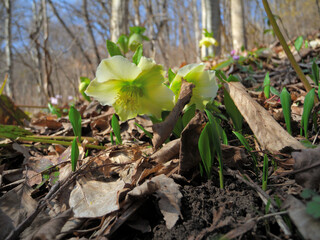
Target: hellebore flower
column 205, row 83
column 208, row 41
column 131, row 89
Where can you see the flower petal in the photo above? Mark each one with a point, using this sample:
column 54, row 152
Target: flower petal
column 146, row 63
column 116, row 68
column 190, row 68
column 206, row 86
column 104, row 92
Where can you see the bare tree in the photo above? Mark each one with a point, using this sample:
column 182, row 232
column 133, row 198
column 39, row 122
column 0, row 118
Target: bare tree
column 119, row 19
column 196, row 26
column 90, row 32
column 237, row 24
column 137, row 19
column 8, row 48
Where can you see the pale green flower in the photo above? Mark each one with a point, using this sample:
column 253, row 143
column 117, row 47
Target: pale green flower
column 131, row 89
column 205, row 83
column 208, row 41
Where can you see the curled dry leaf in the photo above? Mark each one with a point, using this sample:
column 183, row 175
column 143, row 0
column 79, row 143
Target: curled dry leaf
column 306, row 158
column 167, row 152
column 161, row 131
column 90, row 199
column 269, row 133
column 307, row 225
column 168, row 193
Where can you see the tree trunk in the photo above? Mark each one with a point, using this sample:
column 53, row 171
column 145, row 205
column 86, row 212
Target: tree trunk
column 211, row 21
column 136, row 5
column 89, row 30
column 119, row 19
column 197, row 33
column 8, row 49
column 237, row 25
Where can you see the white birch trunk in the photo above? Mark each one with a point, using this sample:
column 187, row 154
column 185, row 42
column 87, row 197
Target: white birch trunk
column 237, row 24
column 119, row 19
column 8, row 48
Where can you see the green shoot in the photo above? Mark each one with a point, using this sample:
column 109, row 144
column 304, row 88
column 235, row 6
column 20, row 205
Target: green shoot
column 285, row 99
column 266, row 86
column 84, row 83
column 75, row 119
column 113, row 49
column 233, row 111
column 74, row 154
column 307, row 108
column 245, row 143
column 265, row 173
column 188, row 115
column 315, row 73
column 111, row 138
column 54, row 110
column 123, row 43
column 298, row 43
column 149, row 134
column 116, row 129
column 171, row 75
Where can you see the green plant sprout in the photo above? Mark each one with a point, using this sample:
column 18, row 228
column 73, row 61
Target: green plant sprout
column 265, row 173
column 233, row 111
column 84, row 83
column 307, row 108
column 210, row 146
column 313, row 202
column 75, row 119
column 245, row 143
column 116, row 129
column 315, row 73
column 285, row 100
column 298, row 43
column 54, row 110
column 266, row 86
column 149, row 134
column 136, row 37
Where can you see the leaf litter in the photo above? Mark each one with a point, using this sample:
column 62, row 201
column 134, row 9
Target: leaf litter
column 144, row 191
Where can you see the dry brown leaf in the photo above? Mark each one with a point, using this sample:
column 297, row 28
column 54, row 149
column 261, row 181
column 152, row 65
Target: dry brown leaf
column 47, row 121
column 15, row 206
column 167, row 152
column 269, row 133
column 307, row 226
column 168, row 193
column 161, row 131
column 91, row 199
column 306, row 158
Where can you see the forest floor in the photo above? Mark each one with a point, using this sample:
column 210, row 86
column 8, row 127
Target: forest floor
column 131, row 191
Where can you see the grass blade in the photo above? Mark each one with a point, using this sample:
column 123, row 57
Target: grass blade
column 205, row 150
column 266, row 85
column 116, row 128
column 74, row 154
column 75, row 119
column 233, row 111
column 285, row 100
column 307, row 108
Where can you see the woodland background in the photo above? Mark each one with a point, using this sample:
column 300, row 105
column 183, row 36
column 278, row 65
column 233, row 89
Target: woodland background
column 47, row 45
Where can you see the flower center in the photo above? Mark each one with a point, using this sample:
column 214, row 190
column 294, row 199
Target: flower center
column 129, row 97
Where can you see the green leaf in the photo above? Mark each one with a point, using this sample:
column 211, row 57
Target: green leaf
column 123, row 43
column 233, row 111
column 137, row 55
column 74, row 154
column 245, row 143
column 285, row 100
column 266, row 85
column 113, row 49
column 307, row 108
column 188, row 114
column 223, row 64
column 178, row 128
column 313, row 207
column 144, row 130
column 232, row 78
column 298, row 43
column 116, row 128
column 54, row 110
column 137, row 29
column 315, row 72
column 220, row 74
column 75, row 119
column 205, row 150
column 274, row 91
column 171, row 75
column 308, row 193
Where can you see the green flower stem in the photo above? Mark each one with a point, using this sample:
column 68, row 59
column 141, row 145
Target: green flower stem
column 68, row 138
column 286, row 48
column 64, row 143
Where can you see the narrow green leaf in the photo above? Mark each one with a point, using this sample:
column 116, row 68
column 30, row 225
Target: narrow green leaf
column 116, row 128
column 74, row 154
column 266, row 86
column 315, row 72
column 54, row 110
column 274, row 91
column 307, row 108
column 123, row 43
column 188, row 115
column 12, row 131
column 232, row 78
column 233, row 111
column 113, row 49
column 205, row 150
column 75, row 119
column 298, row 43
column 178, row 127
column 285, row 100
column 144, row 130
column 265, row 173
column 245, row 143
column 137, row 55
column 171, row 75
column 220, row 74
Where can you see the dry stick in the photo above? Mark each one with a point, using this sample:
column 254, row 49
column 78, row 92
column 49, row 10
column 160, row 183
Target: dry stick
column 265, row 197
column 286, row 48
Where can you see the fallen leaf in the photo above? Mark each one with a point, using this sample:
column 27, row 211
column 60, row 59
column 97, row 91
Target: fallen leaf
column 167, row 152
column 15, row 206
column 269, row 133
column 47, row 121
column 161, row 131
column 306, row 158
column 167, row 191
column 307, row 225
column 90, row 199
column 9, row 113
